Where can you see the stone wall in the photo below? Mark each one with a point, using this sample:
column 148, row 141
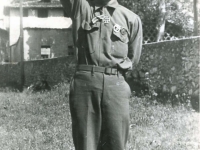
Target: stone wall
column 169, row 67
column 9, row 75
column 53, row 71
column 165, row 67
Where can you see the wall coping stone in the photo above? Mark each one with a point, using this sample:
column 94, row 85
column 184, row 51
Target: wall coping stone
column 176, row 40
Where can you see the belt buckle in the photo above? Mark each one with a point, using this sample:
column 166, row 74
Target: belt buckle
column 114, row 71
column 107, row 71
column 110, row 71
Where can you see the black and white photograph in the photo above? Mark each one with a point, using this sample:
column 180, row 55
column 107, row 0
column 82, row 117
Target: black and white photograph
column 99, row 74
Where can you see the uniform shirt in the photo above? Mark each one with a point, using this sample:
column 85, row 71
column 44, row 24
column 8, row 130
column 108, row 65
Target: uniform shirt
column 107, row 36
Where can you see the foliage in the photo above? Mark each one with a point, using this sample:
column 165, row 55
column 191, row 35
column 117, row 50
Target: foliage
column 179, row 13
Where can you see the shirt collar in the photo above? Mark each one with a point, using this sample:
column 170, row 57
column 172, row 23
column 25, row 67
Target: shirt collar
column 111, row 3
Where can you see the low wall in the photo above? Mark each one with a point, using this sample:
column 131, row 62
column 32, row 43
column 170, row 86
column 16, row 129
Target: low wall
column 9, row 75
column 53, row 71
column 170, row 67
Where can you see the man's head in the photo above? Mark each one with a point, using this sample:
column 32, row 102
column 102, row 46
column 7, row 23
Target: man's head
column 101, row 2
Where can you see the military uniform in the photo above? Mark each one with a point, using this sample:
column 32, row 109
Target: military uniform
column 108, row 41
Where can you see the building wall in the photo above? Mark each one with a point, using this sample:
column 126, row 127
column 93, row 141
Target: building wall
column 14, row 26
column 55, row 12
column 59, row 41
column 55, row 20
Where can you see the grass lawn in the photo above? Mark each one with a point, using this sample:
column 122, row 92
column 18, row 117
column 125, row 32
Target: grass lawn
column 41, row 121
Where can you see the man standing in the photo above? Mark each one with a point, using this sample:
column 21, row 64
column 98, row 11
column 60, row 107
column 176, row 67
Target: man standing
column 108, row 41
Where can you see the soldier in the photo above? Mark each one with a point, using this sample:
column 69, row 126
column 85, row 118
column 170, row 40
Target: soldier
column 108, row 41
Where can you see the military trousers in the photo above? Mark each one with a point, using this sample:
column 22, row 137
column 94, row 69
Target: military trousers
column 99, row 106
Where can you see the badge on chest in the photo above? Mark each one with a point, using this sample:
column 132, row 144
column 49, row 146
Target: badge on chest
column 104, row 18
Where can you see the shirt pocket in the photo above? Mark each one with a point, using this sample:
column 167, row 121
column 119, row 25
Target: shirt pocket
column 89, row 27
column 92, row 36
column 122, row 35
column 120, row 39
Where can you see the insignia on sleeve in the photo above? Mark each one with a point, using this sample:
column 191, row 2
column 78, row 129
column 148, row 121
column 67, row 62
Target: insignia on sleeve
column 123, row 31
column 117, row 28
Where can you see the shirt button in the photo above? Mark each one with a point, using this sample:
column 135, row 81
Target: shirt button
column 113, row 47
column 109, row 51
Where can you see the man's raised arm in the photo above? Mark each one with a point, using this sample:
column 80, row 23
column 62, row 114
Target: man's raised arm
column 74, row 8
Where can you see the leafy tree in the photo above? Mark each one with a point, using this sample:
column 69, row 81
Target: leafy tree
column 161, row 20
column 178, row 12
column 195, row 5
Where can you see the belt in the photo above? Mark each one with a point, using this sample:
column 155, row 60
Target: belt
column 92, row 68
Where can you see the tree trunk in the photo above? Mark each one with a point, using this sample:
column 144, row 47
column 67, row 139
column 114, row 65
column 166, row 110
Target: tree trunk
column 195, row 5
column 161, row 21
